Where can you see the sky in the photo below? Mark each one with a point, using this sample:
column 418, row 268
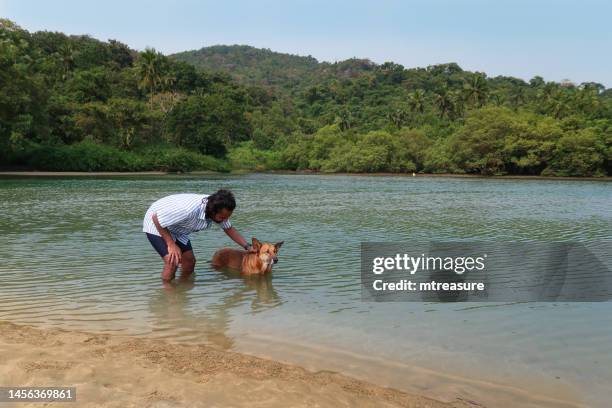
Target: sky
column 523, row 38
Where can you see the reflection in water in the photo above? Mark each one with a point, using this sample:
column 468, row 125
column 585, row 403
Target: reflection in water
column 265, row 297
column 172, row 310
column 172, row 307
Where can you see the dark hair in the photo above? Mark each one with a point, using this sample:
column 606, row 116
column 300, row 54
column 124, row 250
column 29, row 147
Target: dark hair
column 218, row 201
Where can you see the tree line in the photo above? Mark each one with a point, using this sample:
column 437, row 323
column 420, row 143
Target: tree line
column 77, row 103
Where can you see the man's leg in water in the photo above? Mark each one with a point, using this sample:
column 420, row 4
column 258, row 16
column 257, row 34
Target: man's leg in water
column 187, row 257
column 188, row 262
column 169, row 270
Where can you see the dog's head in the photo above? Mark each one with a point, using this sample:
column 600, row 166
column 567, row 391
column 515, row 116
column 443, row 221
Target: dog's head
column 267, row 252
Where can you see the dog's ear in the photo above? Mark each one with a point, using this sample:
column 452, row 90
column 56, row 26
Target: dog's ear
column 256, row 244
column 278, row 245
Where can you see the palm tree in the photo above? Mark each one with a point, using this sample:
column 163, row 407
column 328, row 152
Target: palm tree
column 445, row 103
column 416, row 101
column 587, row 100
column 496, row 98
column 545, row 92
column 476, row 90
column 517, row 97
column 458, row 103
column 397, row 117
column 66, row 56
column 150, row 71
column 344, row 119
column 558, row 104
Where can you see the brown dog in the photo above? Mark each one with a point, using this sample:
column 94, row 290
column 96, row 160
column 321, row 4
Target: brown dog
column 247, row 263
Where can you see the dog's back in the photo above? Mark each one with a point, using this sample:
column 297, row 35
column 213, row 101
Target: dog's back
column 228, row 258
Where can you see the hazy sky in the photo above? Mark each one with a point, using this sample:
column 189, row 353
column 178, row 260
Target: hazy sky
column 556, row 39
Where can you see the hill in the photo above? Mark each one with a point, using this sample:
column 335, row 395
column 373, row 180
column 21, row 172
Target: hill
column 252, row 65
column 264, row 67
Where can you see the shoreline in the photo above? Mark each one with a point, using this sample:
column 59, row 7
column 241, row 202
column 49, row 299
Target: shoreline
column 111, row 370
column 114, row 370
column 33, row 173
column 441, row 175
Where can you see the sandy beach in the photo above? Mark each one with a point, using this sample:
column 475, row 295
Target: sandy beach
column 121, row 371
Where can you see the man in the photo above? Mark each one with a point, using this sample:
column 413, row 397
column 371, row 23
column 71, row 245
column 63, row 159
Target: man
column 170, row 220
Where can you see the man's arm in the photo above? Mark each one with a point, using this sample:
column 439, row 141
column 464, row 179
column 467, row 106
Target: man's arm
column 174, row 252
column 237, row 238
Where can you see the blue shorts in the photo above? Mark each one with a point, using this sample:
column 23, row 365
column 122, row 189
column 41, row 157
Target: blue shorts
column 162, row 249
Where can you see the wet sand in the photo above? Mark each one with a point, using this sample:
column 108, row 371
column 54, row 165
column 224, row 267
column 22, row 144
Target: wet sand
column 122, row 371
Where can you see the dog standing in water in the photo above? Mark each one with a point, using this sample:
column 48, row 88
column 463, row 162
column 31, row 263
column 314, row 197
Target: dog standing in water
column 247, row 263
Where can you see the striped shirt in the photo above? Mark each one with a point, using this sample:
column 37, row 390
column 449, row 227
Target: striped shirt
column 181, row 214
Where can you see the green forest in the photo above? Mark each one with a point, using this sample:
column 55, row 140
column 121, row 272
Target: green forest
column 75, row 103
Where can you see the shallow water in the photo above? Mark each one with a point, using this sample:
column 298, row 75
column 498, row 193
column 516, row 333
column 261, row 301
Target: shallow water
column 74, row 257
